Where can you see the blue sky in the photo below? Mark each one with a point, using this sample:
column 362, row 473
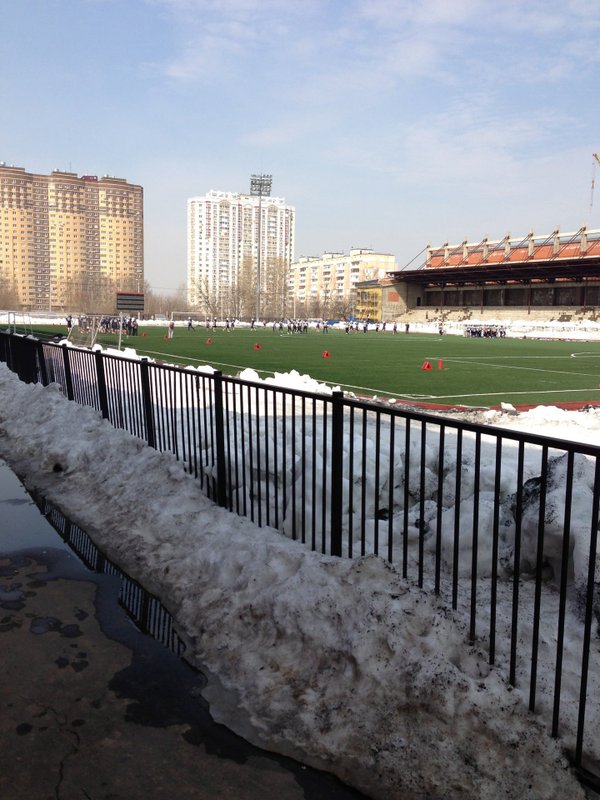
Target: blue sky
column 386, row 123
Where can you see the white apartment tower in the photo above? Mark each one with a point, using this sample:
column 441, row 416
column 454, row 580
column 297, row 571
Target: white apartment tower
column 223, row 253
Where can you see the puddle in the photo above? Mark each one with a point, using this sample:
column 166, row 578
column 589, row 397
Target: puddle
column 79, row 634
column 29, row 523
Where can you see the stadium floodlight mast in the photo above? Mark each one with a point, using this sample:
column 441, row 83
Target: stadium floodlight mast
column 260, row 186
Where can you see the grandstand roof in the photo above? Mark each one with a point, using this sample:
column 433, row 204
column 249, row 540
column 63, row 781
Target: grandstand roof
column 576, row 269
column 534, row 259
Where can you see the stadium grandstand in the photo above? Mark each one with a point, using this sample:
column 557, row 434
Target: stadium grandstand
column 554, row 274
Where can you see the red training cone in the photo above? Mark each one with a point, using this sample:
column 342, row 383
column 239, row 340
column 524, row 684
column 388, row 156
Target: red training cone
column 209, row 341
column 325, row 354
column 257, row 346
column 440, row 364
column 427, row 365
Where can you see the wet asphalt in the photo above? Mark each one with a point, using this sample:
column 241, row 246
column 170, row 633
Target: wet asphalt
column 91, row 707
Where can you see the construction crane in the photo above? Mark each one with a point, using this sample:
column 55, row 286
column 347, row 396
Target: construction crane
column 596, row 158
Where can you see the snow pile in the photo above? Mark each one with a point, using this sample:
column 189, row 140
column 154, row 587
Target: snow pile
column 289, row 380
column 340, row 663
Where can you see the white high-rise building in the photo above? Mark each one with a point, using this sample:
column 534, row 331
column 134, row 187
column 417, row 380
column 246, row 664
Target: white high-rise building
column 223, row 253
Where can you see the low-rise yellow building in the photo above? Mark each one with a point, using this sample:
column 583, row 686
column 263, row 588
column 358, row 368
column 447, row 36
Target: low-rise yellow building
column 327, row 284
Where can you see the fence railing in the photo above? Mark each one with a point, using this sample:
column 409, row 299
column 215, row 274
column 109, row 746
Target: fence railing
column 502, row 523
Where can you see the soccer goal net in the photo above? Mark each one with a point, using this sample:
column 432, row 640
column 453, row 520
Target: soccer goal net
column 85, row 329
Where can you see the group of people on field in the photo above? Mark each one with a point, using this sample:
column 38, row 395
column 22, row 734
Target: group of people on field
column 290, row 326
column 127, row 325
column 107, row 324
column 486, row 331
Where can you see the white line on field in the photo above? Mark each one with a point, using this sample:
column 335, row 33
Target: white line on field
column 452, row 360
column 511, row 393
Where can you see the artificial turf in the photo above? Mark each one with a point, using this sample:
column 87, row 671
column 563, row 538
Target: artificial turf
column 464, row 371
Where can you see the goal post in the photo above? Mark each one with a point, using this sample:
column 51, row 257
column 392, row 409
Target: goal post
column 198, row 319
column 85, row 329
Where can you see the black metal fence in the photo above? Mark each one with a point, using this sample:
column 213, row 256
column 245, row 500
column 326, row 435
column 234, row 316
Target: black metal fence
column 502, row 523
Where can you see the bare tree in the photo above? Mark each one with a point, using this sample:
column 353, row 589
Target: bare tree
column 161, row 303
column 9, row 297
column 318, row 308
column 235, row 300
column 179, row 298
column 93, row 293
column 246, row 289
column 299, row 309
column 276, row 295
column 205, row 297
column 342, row 307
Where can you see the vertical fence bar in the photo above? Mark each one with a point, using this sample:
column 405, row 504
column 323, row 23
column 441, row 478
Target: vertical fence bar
column 195, row 410
column 147, row 403
column 363, row 483
column 67, row 368
column 390, row 531
column 284, row 440
column 258, row 482
column 337, row 452
column 406, row 498
column 439, row 510
column 43, row 374
column 293, row 471
column 314, row 477
column 276, row 424
column 376, row 508
column 230, row 460
column 423, row 456
column 236, row 459
column 164, row 406
column 495, row 544
column 457, row 496
column 220, row 439
column 251, row 466
column 101, row 379
column 243, row 450
column 265, row 438
column 475, row 540
column 324, row 439
column 351, row 485
column 589, row 615
column 538, row 579
column 187, row 409
column 563, row 593
column 514, row 633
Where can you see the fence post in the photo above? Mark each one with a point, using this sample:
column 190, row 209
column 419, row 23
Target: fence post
column 220, row 440
column 147, row 401
column 30, row 361
column 102, row 396
column 4, row 347
column 42, row 364
column 337, row 453
column 68, row 376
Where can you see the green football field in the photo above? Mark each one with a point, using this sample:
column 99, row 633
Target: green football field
column 464, row 371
